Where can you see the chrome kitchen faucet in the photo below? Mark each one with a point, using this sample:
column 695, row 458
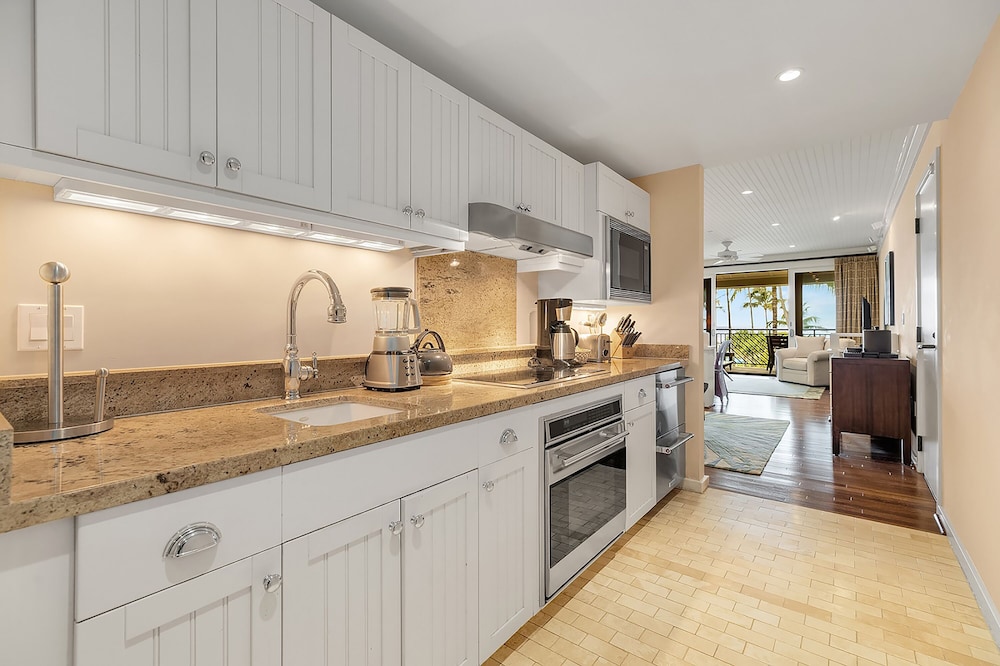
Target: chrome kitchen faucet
column 294, row 371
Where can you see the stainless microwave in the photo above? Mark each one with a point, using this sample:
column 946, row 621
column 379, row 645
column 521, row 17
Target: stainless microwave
column 627, row 262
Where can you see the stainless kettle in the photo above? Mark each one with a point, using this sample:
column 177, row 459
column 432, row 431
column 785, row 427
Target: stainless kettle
column 432, row 361
column 564, row 341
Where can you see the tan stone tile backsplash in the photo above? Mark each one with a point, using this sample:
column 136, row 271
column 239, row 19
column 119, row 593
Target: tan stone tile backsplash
column 473, row 304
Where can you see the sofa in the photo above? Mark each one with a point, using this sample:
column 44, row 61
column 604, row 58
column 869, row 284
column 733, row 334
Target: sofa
column 808, row 362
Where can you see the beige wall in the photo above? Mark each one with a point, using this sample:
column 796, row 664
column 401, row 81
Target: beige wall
column 901, row 240
column 970, row 316
column 677, row 213
column 162, row 292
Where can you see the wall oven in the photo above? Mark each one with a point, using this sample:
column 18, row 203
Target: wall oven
column 627, row 262
column 584, row 488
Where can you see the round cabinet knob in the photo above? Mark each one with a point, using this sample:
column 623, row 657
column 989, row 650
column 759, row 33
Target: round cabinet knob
column 420, row 213
column 233, row 164
column 417, row 520
column 272, row 582
column 407, row 210
column 630, row 424
column 508, row 436
column 527, row 208
column 488, row 486
column 395, row 527
column 207, row 158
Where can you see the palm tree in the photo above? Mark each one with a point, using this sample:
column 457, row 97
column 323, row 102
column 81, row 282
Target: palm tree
column 757, row 298
column 731, row 294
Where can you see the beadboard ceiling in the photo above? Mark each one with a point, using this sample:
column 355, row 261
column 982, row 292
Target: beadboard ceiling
column 650, row 85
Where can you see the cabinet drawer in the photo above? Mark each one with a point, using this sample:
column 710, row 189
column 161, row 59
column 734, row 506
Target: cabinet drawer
column 495, row 443
column 639, row 392
column 120, row 551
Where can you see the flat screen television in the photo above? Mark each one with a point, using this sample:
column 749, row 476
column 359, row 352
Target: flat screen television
column 866, row 314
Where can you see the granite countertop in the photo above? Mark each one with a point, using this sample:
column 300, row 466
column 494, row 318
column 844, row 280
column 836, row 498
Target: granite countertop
column 151, row 455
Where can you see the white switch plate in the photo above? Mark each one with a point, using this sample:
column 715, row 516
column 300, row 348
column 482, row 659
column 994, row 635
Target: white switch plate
column 32, row 327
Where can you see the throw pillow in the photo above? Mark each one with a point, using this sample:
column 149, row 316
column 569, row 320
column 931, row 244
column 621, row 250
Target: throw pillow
column 806, row 344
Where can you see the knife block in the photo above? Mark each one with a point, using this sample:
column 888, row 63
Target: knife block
column 617, row 349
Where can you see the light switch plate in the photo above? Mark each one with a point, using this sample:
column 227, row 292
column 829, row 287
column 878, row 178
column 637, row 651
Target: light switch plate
column 32, row 327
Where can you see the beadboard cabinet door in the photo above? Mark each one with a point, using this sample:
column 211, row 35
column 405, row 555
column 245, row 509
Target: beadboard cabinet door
column 541, row 178
column 494, row 157
column 509, row 585
column 342, row 594
column 223, row 617
column 371, row 128
column 572, row 193
column 128, row 83
column 439, row 154
column 274, row 100
column 640, row 463
column 440, row 576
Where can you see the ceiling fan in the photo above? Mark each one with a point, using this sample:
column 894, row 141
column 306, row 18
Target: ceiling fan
column 727, row 256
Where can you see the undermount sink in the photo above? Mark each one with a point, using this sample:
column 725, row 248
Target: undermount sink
column 335, row 414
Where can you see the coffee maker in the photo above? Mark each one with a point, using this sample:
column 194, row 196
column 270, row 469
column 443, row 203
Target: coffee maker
column 393, row 365
column 556, row 341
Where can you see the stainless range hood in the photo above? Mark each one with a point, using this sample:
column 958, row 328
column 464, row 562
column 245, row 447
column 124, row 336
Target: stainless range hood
column 526, row 233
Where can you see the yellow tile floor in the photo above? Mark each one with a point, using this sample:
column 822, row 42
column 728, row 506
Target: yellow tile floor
column 723, row 578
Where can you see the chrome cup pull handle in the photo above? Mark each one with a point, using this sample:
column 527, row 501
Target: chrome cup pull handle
column 508, row 436
column 192, row 539
column 642, row 393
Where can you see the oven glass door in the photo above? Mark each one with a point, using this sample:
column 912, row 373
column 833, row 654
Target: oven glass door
column 629, row 258
column 583, row 503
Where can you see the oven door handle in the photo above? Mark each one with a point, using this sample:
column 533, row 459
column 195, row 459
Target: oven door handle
column 593, row 451
column 670, row 385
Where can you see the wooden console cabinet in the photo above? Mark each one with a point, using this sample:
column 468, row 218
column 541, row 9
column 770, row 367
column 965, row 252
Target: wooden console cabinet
column 871, row 396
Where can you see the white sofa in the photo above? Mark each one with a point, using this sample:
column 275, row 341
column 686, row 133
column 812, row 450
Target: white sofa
column 808, row 362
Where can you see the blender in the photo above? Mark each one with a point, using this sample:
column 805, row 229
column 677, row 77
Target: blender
column 393, row 365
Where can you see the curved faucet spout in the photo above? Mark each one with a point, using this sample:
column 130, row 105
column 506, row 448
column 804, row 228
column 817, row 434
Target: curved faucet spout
column 336, row 313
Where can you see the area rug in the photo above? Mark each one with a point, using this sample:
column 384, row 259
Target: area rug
column 767, row 385
column 741, row 443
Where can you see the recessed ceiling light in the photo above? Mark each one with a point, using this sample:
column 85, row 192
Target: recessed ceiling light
column 747, row 192
column 791, row 246
column 776, row 224
column 790, row 75
column 836, row 217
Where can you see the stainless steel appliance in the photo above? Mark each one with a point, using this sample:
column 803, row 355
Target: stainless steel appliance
column 584, row 487
column 532, row 377
column 670, row 435
column 599, row 346
column 555, row 340
column 393, row 364
column 520, row 234
column 627, row 262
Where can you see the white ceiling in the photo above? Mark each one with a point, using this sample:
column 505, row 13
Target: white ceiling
column 650, row 85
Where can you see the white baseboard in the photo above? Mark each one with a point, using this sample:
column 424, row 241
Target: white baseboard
column 694, row 485
column 979, row 590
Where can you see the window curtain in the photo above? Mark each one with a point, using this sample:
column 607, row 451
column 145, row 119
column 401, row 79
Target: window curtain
column 854, row 278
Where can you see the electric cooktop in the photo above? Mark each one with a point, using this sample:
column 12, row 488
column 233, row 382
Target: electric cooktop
column 535, row 376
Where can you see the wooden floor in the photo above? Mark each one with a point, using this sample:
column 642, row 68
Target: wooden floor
column 863, row 481
column 724, row 578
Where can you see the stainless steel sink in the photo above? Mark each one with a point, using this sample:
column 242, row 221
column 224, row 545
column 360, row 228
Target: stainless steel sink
column 335, row 414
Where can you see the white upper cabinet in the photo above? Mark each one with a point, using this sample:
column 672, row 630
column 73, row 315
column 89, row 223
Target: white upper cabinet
column 621, row 199
column 541, row 179
column 371, row 129
column 439, row 154
column 226, row 93
column 494, row 157
column 573, row 180
column 129, row 84
column 637, row 206
column 16, row 54
column 274, row 100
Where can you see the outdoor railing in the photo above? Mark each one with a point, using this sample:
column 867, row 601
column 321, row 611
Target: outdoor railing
column 749, row 345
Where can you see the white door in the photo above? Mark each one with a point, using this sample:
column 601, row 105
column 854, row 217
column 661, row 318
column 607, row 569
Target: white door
column 274, row 100
column 222, row 618
column 440, row 576
column 129, row 84
column 640, row 463
column 928, row 346
column 371, row 128
column 541, row 177
column 494, row 157
column 509, row 587
column 342, row 596
column 439, row 156
column 571, row 213
column 611, row 193
column 637, row 206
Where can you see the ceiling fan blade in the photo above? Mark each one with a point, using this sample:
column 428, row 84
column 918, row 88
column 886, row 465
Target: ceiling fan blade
column 719, row 261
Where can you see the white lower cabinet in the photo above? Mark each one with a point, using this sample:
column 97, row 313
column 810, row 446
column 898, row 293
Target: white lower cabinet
column 222, row 617
column 393, row 585
column 508, row 548
column 640, row 463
